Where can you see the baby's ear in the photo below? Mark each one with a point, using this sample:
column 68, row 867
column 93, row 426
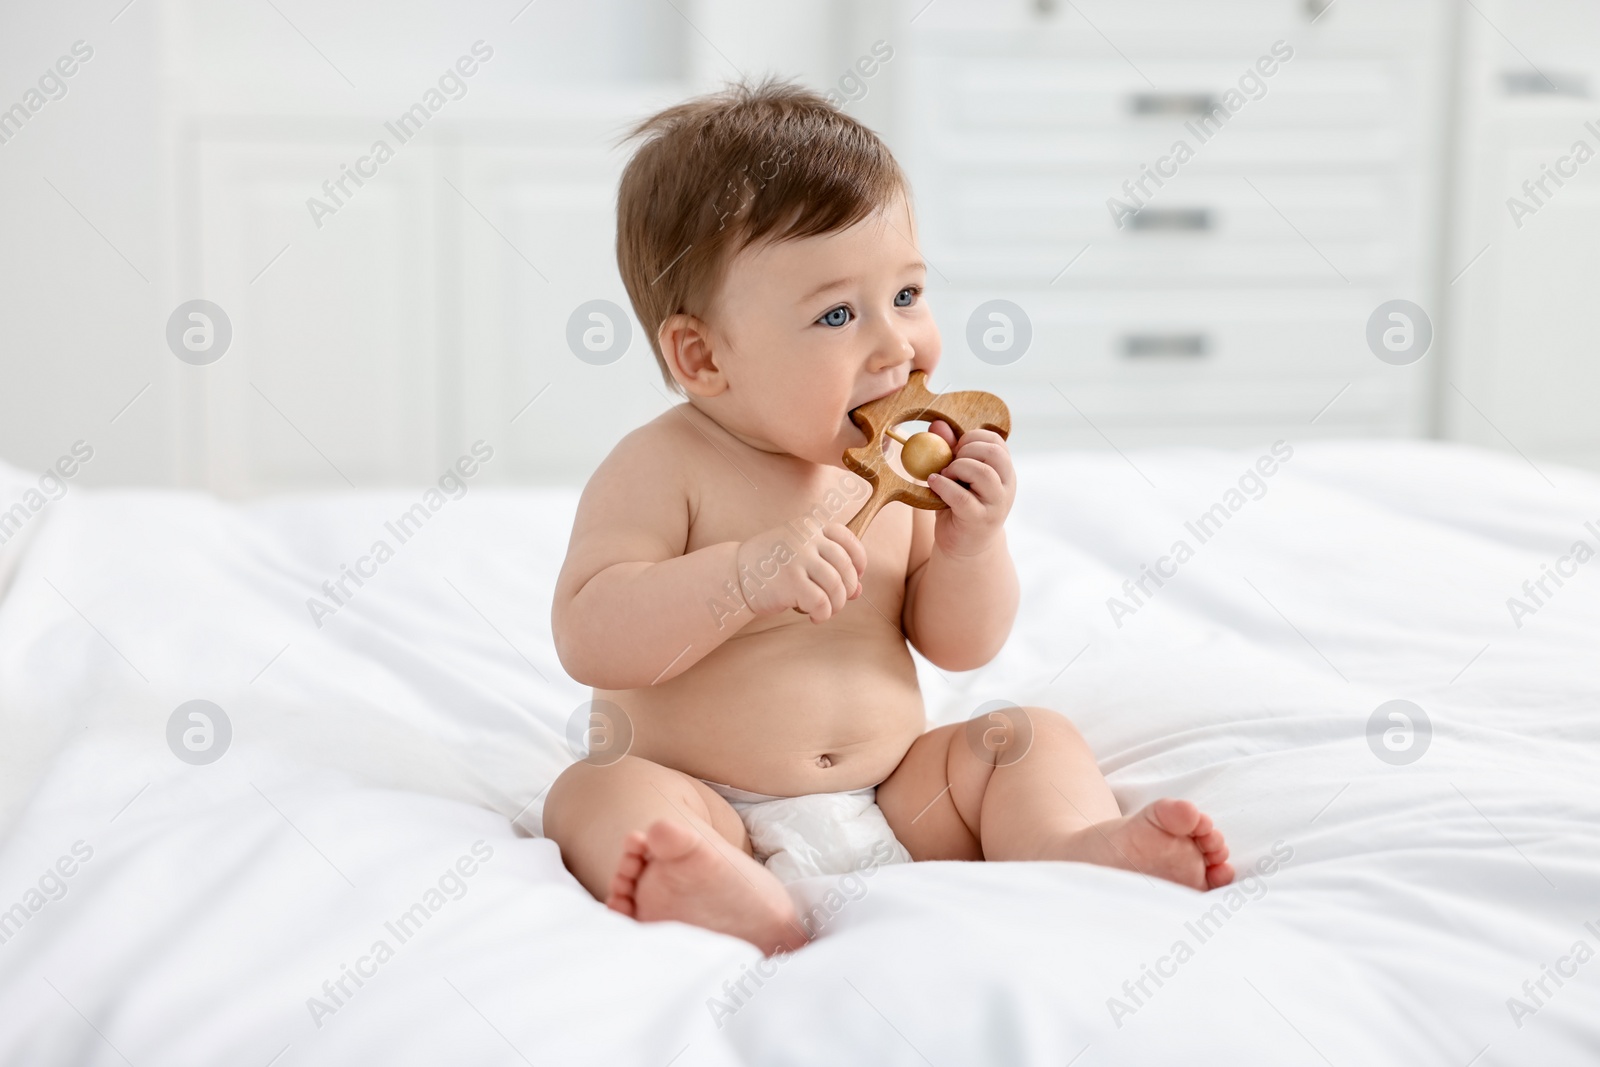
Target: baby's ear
column 686, row 346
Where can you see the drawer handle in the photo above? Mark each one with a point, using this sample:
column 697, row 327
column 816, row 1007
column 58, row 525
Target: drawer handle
column 1186, row 345
column 1173, row 103
column 1533, row 83
column 1189, row 219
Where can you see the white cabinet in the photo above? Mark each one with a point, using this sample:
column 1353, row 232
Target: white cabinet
column 549, row 188
column 1524, row 374
column 1217, row 291
column 374, row 344
column 332, row 375
column 421, row 316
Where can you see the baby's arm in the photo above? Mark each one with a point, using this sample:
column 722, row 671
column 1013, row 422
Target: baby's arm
column 961, row 586
column 633, row 609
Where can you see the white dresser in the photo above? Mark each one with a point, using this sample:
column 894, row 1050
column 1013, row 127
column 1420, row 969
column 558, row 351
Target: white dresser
column 1231, row 303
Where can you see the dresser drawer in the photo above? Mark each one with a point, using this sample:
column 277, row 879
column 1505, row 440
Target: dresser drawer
column 1055, row 112
column 1190, row 356
column 1077, row 414
column 1184, row 336
column 1130, row 23
column 1068, row 212
column 1037, row 94
column 1162, row 262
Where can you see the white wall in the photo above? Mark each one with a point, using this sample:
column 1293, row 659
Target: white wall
column 83, row 247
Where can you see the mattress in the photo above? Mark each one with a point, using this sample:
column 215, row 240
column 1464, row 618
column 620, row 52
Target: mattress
column 257, row 811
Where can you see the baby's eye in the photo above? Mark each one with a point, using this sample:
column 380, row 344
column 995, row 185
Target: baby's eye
column 839, row 316
column 906, row 297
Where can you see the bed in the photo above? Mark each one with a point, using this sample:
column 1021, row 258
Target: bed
column 1336, row 668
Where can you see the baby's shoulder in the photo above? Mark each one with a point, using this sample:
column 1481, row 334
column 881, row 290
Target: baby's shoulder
column 661, row 442
column 653, row 458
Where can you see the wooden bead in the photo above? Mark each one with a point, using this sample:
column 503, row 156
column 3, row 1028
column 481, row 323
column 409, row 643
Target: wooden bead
column 924, row 454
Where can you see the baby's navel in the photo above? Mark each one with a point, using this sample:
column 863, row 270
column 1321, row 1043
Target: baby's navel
column 824, row 760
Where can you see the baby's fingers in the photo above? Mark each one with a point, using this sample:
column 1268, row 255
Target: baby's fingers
column 982, row 479
column 813, row 600
column 963, row 503
column 837, row 557
column 940, row 428
column 840, row 535
column 993, row 453
column 826, row 580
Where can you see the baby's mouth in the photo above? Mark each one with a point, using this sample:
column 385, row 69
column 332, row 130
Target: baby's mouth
column 854, row 431
column 873, row 399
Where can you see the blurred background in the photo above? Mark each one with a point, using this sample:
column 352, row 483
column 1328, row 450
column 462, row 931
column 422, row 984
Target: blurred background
column 366, row 314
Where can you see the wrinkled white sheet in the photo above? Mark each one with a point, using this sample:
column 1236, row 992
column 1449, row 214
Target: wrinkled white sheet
column 376, row 758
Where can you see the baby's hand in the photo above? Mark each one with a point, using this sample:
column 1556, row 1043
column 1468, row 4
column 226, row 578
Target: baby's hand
column 977, row 509
column 815, row 577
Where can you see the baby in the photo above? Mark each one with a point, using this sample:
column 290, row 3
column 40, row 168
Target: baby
column 754, row 645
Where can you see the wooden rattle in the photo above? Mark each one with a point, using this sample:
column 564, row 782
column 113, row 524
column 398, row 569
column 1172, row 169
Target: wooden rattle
column 921, row 454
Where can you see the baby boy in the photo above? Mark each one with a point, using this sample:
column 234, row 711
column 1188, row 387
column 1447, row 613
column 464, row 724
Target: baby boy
column 757, row 647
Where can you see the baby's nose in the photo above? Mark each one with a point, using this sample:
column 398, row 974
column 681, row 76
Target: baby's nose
column 894, row 349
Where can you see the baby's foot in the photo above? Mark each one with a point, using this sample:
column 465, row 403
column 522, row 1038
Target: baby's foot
column 1169, row 839
column 672, row 872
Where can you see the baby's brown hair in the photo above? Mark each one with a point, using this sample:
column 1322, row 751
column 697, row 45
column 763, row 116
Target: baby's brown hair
column 771, row 161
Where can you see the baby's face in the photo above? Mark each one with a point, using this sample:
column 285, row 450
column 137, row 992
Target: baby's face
column 806, row 330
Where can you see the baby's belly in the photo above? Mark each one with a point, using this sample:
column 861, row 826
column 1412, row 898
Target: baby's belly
column 796, row 708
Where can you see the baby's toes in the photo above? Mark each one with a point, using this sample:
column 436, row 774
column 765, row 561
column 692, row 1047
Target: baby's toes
column 1219, row 875
column 625, row 880
column 620, row 898
column 1180, row 818
column 1212, row 847
column 635, row 852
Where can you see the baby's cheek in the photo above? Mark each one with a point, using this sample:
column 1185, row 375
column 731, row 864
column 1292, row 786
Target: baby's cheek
column 929, row 347
column 821, row 420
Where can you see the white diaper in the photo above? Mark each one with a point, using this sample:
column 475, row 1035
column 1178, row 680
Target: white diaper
column 815, row 834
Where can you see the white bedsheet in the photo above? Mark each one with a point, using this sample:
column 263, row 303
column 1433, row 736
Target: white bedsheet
column 1408, row 904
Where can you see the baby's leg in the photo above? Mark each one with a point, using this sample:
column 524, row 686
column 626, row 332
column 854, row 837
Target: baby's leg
column 1022, row 784
column 655, row 844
